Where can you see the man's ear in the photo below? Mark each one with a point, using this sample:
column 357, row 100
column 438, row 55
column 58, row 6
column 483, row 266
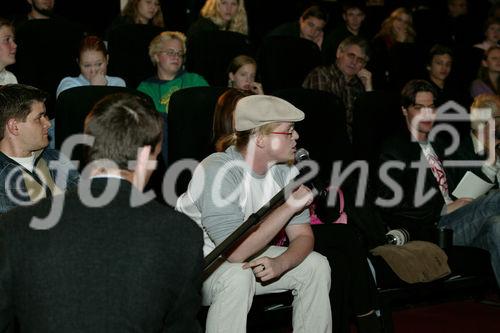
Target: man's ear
column 12, row 126
column 404, row 110
column 157, row 150
column 156, row 60
column 260, row 140
column 428, row 67
column 141, row 167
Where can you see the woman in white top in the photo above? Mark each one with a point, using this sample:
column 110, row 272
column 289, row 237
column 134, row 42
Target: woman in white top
column 93, row 61
column 8, row 49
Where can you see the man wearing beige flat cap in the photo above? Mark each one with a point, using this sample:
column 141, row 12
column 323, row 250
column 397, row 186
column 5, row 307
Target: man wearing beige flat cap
column 226, row 189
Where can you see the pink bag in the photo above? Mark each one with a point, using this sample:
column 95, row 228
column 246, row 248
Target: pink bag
column 281, row 239
column 342, row 218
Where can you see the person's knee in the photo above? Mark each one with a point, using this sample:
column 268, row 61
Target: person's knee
column 238, row 281
column 494, row 229
column 318, row 266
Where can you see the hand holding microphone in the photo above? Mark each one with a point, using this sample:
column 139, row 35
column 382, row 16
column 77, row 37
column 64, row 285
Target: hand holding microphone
column 308, row 169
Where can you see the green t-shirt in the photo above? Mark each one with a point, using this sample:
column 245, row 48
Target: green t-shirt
column 161, row 90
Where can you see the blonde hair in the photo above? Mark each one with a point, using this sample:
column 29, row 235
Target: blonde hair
column 156, row 44
column 386, row 30
column 237, row 24
column 130, row 10
column 240, row 139
column 483, row 101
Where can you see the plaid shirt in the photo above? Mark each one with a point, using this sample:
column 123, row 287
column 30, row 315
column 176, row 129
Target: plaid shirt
column 331, row 79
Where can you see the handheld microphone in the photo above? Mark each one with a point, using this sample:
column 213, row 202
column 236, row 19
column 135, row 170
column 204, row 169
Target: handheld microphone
column 277, row 200
column 302, row 155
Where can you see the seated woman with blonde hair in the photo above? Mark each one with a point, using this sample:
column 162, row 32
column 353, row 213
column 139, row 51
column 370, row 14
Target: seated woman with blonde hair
column 228, row 15
column 394, row 51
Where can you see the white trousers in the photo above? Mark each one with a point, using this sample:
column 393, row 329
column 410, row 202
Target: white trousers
column 229, row 292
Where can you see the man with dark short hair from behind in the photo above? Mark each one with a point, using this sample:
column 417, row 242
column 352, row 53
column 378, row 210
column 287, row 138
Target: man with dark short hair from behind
column 29, row 171
column 115, row 260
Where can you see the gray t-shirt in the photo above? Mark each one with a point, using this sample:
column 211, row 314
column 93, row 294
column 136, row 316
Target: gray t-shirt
column 224, row 192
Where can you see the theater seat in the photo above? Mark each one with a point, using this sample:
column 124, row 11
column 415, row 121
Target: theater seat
column 210, row 52
column 323, row 131
column 73, row 105
column 128, row 52
column 284, row 62
column 376, row 115
column 471, row 278
column 46, row 53
column 190, row 119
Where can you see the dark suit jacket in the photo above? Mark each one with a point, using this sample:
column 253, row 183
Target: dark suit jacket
column 115, row 268
column 418, row 218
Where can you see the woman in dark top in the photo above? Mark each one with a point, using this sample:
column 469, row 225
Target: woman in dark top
column 140, row 12
column 229, row 15
column 394, row 54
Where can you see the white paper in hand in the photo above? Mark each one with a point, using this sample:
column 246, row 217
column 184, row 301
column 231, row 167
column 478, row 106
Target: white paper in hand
column 471, row 186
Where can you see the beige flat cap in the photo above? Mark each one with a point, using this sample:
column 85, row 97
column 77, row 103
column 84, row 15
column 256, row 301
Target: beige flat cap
column 257, row 110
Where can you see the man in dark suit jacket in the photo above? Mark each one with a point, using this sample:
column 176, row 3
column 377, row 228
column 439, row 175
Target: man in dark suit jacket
column 111, row 259
column 415, row 193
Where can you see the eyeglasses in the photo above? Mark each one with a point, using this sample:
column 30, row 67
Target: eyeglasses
column 289, row 133
column 172, row 53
